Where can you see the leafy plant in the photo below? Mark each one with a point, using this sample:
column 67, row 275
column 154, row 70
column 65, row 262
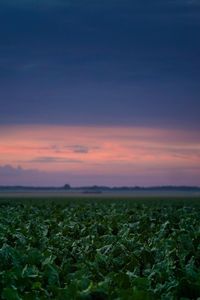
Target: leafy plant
column 99, row 250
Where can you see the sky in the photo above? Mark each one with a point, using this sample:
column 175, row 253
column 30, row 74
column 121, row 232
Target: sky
column 99, row 92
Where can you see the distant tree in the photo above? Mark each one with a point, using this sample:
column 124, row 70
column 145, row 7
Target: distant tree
column 67, row 186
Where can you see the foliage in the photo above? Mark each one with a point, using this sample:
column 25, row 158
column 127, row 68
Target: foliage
column 99, row 250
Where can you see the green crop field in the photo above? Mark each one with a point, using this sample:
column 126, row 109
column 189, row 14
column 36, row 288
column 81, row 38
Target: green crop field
column 99, row 248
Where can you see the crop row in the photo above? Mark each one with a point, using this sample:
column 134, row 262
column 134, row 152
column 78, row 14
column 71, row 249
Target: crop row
column 99, row 250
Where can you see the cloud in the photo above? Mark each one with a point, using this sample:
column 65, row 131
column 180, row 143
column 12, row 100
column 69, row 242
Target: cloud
column 70, row 148
column 7, row 170
column 53, row 159
column 10, row 171
column 82, row 149
column 78, row 148
column 10, row 175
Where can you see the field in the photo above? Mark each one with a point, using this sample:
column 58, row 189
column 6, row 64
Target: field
column 147, row 248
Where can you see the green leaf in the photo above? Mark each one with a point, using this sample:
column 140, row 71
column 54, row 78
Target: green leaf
column 10, row 293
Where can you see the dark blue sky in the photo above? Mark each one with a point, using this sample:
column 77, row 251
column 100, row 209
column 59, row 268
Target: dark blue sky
column 100, row 62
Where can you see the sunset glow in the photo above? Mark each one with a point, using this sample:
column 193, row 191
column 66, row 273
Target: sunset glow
column 160, row 154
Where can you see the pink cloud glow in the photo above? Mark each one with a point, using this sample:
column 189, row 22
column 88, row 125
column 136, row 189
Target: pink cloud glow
column 109, row 151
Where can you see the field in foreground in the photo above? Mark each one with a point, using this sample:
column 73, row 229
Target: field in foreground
column 99, row 249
